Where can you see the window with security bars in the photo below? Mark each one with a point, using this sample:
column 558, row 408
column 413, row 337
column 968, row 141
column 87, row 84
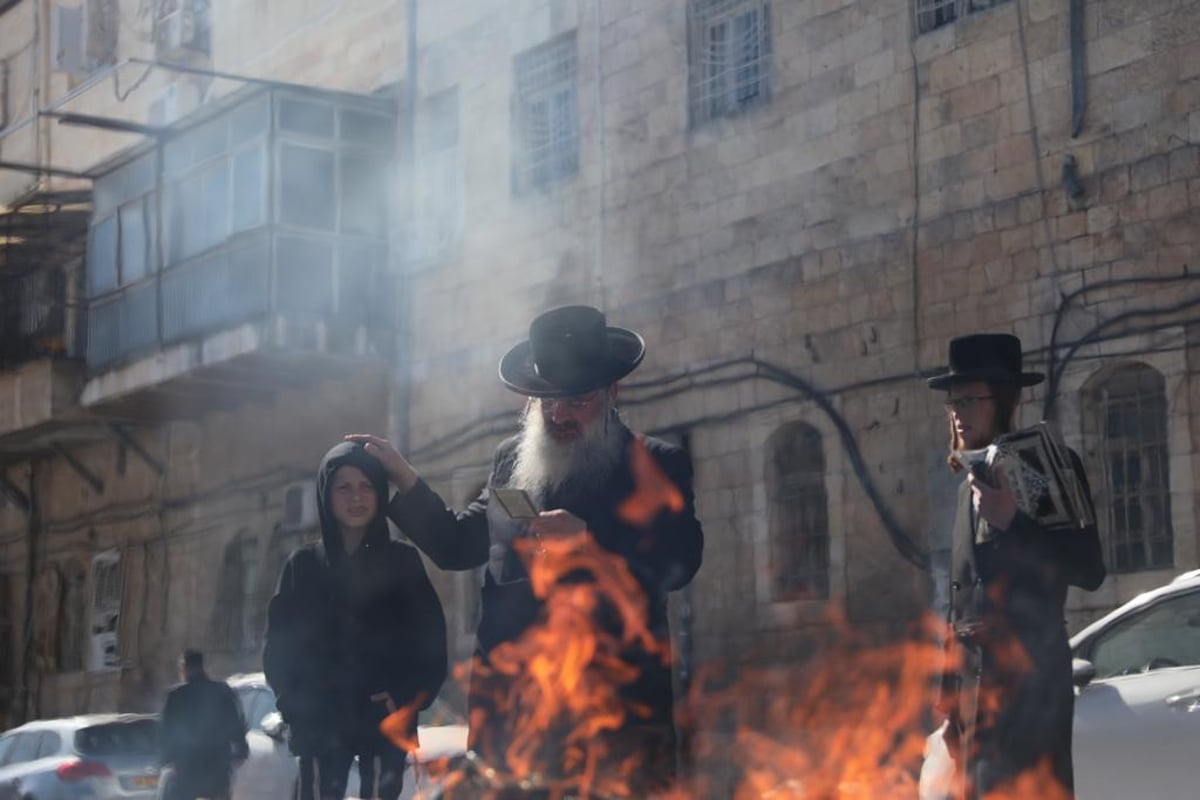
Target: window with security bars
column 934, row 14
column 546, row 115
column 730, row 58
column 799, row 514
column 1127, row 415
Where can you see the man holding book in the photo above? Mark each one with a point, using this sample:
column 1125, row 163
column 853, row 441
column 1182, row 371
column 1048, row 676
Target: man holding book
column 1008, row 695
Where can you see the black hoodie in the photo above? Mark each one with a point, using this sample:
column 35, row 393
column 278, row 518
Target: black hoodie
column 351, row 637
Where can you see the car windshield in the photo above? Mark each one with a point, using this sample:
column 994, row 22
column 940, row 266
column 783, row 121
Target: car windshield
column 135, row 737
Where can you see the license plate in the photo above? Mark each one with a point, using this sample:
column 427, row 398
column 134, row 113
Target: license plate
column 144, row 781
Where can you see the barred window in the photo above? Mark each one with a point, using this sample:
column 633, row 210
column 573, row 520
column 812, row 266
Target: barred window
column 799, row 515
column 730, row 57
column 933, row 14
column 546, row 115
column 1126, row 413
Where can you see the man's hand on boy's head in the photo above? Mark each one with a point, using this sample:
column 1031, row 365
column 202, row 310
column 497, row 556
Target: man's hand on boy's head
column 398, row 470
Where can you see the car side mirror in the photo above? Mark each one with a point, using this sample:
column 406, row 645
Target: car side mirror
column 1083, row 672
column 274, row 726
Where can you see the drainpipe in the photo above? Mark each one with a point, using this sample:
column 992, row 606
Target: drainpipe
column 401, row 423
column 28, row 708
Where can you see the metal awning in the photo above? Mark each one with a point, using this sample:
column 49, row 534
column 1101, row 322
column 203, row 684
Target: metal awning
column 95, row 127
column 136, row 84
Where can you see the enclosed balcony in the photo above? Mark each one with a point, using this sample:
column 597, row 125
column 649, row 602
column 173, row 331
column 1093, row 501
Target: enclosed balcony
column 244, row 246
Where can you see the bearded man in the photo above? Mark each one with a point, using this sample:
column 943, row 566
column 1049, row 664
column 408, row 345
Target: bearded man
column 593, row 478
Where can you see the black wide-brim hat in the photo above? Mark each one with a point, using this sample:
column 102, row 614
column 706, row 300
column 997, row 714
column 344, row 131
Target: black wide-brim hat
column 571, row 350
column 990, row 357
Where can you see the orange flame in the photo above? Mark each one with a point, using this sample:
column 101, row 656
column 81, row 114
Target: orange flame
column 653, row 490
column 848, row 722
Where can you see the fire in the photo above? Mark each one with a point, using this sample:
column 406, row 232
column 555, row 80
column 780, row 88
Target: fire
column 847, row 722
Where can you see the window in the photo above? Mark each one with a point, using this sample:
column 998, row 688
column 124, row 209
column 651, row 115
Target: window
column 24, row 749
column 730, row 57
column 121, row 250
column 7, row 743
column 49, row 744
column 547, row 120
column 234, row 615
column 1126, row 414
column 1164, row 635
column 798, row 508
column 933, row 14
column 106, row 612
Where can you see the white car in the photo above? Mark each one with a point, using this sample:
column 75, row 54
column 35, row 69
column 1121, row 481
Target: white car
column 89, row 757
column 271, row 771
column 1137, row 716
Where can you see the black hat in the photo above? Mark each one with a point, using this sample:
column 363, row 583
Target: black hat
column 570, row 350
column 991, row 357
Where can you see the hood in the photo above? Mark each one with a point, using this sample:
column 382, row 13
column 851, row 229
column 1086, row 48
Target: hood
column 354, row 455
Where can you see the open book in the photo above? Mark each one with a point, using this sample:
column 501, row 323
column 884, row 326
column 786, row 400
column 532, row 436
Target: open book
column 1039, row 469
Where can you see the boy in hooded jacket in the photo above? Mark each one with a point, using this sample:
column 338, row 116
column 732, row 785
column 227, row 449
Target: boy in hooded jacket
column 355, row 631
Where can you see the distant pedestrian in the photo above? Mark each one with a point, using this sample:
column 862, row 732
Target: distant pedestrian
column 203, row 735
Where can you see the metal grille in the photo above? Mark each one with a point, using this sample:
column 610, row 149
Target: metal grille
column 1133, row 414
column 730, row 66
column 933, row 14
column 546, row 114
column 799, row 521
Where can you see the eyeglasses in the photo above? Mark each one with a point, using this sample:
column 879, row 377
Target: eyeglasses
column 966, row 403
column 576, row 402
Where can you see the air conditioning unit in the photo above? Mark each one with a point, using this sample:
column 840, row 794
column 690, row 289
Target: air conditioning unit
column 299, row 506
column 180, row 32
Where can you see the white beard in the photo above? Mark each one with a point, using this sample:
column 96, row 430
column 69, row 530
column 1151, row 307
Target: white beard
column 544, row 465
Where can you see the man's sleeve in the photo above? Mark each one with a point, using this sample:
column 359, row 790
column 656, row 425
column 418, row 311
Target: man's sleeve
column 655, row 528
column 452, row 541
column 676, row 548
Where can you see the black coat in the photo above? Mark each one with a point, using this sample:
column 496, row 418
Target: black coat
column 1008, row 591
column 663, row 556
column 351, row 638
column 203, row 732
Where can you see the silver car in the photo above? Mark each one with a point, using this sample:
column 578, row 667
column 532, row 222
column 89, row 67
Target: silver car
column 1137, row 716
column 92, row 757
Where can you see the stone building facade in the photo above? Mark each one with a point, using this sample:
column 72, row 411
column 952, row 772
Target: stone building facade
column 797, row 204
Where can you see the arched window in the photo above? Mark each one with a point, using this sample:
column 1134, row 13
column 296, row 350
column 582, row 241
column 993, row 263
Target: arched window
column 235, row 612
column 799, row 514
column 1126, row 417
